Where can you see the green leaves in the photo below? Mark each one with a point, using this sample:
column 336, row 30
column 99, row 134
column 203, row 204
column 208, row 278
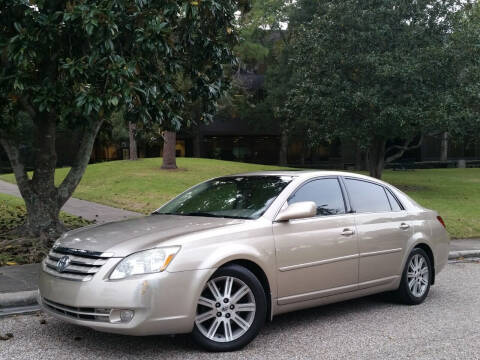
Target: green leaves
column 376, row 68
column 114, row 101
column 17, row 27
column 81, row 60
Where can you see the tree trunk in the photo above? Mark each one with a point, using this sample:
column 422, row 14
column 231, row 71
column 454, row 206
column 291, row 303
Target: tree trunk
column 359, row 163
column 376, row 157
column 169, row 155
column 41, row 202
column 197, row 146
column 302, row 157
column 444, row 147
column 133, row 142
column 43, row 199
column 283, row 148
column 43, row 214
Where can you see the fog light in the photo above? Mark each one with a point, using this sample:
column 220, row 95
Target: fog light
column 121, row 316
column 126, row 315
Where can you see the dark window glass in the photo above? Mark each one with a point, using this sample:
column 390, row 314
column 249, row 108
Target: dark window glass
column 243, row 197
column 367, row 197
column 326, row 193
column 393, row 202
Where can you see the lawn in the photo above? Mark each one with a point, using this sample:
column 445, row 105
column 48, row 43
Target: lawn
column 142, row 186
column 454, row 193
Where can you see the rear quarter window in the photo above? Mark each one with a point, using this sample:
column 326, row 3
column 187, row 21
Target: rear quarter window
column 367, row 197
column 393, row 201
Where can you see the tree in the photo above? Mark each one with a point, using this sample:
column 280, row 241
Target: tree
column 169, row 150
column 464, row 102
column 378, row 72
column 132, row 140
column 267, row 41
column 74, row 63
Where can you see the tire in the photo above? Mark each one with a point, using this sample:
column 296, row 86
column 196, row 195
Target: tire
column 220, row 325
column 418, row 263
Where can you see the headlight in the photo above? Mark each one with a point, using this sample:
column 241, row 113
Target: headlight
column 145, row 262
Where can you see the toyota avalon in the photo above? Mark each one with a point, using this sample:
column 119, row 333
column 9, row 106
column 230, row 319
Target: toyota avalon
column 230, row 253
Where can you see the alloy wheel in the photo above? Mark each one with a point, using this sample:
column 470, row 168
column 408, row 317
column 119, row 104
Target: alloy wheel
column 418, row 275
column 225, row 309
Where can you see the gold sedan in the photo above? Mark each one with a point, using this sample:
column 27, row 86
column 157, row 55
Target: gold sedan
column 229, row 254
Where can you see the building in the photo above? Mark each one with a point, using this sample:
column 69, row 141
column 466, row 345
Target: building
column 230, row 137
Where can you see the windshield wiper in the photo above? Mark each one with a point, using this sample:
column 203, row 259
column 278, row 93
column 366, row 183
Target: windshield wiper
column 198, row 213
column 162, row 213
column 204, row 214
column 184, row 214
column 214, row 215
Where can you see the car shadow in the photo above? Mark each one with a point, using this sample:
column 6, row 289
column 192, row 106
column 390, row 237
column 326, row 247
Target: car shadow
column 282, row 325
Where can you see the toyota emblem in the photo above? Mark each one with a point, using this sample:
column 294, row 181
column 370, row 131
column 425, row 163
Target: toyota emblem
column 62, row 263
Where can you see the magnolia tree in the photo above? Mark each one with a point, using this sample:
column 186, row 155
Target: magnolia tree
column 378, row 71
column 74, row 63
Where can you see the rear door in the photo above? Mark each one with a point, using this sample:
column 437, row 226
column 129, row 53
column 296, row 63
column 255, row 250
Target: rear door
column 383, row 230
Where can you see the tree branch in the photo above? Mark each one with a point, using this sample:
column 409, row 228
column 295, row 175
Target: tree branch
column 403, row 149
column 27, row 106
column 23, row 182
column 71, row 181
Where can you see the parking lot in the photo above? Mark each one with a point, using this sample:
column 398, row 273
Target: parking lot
column 446, row 326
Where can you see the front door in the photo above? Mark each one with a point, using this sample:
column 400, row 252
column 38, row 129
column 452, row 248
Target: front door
column 317, row 256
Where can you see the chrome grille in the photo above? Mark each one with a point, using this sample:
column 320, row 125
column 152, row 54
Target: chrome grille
column 82, row 264
column 92, row 314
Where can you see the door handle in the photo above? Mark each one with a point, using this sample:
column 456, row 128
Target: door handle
column 404, row 226
column 347, row 232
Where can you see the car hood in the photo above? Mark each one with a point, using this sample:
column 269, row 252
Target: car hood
column 125, row 237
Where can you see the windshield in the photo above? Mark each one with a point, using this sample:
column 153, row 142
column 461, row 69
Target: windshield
column 241, row 197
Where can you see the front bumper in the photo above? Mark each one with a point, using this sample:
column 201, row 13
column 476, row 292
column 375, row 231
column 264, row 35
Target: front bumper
column 164, row 303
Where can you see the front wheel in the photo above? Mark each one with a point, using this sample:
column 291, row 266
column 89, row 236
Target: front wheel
column 416, row 278
column 231, row 310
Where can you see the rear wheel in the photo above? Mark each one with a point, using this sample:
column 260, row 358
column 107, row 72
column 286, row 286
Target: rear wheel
column 416, row 278
column 231, row 310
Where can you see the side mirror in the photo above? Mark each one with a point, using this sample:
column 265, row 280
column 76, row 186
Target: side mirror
column 300, row 210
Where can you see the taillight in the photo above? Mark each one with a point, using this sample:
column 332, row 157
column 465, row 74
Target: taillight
column 439, row 218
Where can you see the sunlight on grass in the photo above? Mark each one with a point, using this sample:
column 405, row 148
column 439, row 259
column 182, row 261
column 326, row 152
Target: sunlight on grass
column 141, row 185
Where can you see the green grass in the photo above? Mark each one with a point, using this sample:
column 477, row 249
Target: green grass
column 142, row 186
column 454, row 193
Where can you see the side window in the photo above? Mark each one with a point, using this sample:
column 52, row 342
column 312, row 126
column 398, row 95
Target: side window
column 393, row 202
column 326, row 193
column 367, row 197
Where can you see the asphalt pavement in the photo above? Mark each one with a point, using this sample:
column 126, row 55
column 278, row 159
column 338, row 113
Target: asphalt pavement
column 445, row 326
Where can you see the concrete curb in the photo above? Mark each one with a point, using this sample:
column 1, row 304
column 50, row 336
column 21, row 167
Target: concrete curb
column 452, row 255
column 17, row 299
column 29, row 298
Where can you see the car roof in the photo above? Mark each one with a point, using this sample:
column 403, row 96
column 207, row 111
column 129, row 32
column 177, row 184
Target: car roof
column 309, row 174
column 304, row 173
